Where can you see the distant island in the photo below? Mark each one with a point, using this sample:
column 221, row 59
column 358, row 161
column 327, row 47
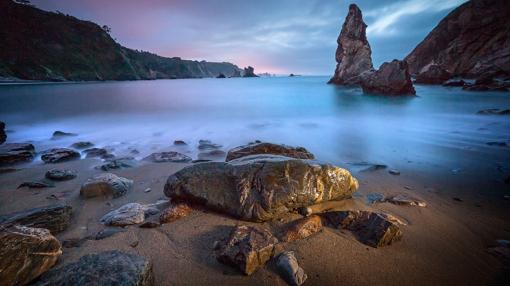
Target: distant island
column 48, row 46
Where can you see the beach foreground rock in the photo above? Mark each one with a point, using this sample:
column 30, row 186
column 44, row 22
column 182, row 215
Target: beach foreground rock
column 105, row 268
column 290, row 270
column 260, row 187
column 391, row 79
column 302, row 228
column 132, row 213
column 60, row 175
column 56, row 218
column 105, row 185
column 12, row 153
column 58, row 155
column 269, row 148
column 26, row 253
column 173, row 157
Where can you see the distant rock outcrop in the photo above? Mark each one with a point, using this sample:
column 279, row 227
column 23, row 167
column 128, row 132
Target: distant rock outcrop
column 249, row 72
column 353, row 54
column 471, row 42
column 392, row 79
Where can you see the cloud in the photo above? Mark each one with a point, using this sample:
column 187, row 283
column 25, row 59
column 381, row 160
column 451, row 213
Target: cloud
column 387, row 17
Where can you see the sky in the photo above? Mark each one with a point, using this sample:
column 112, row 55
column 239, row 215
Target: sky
column 284, row 36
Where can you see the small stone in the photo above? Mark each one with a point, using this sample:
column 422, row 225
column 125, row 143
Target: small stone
column 58, row 155
column 105, row 185
column 290, row 270
column 132, row 213
column 59, row 134
column 175, row 212
column 60, row 175
column 163, row 157
column 180, row 143
column 134, row 243
column 302, row 228
column 36, row 185
column 394, row 172
column 82, row 145
column 405, row 199
column 457, row 199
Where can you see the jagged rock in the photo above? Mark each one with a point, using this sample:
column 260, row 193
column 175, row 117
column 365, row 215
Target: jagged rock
column 107, row 185
column 458, row 83
column 249, row 72
column 432, row 74
column 82, row 145
column 132, row 213
column 162, row 157
column 96, row 153
column 180, row 143
column 247, row 248
column 58, row 155
column 470, row 41
column 405, row 199
column 36, row 185
column 59, row 134
column 12, row 153
column 105, row 268
column 175, row 212
column 55, row 218
column 290, row 270
column 60, row 175
column 353, row 55
column 370, row 228
column 302, row 228
column 269, row 148
column 207, row 144
column 116, row 164
column 26, row 253
column 260, row 187
column 3, row 135
column 391, row 79
column 494, row 111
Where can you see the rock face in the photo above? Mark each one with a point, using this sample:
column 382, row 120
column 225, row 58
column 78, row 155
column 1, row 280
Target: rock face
column 55, row 218
column 174, row 157
column 473, row 40
column 391, row 79
column 260, row 187
column 302, row 228
column 269, row 148
column 12, row 153
column 3, row 136
column 132, row 213
column 105, row 268
column 60, row 175
column 58, row 155
column 290, row 270
column 247, row 248
column 432, row 74
column 26, row 253
column 353, row 55
column 106, row 185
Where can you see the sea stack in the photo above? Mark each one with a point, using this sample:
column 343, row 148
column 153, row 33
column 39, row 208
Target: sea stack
column 353, row 55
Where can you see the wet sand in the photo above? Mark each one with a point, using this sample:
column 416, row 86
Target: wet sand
column 444, row 243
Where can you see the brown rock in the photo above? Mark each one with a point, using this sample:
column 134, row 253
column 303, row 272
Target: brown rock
column 174, row 212
column 56, row 218
column 391, row 79
column 353, row 55
column 302, row 228
column 26, row 253
column 247, row 248
column 269, row 148
column 12, row 153
column 405, row 199
column 58, row 155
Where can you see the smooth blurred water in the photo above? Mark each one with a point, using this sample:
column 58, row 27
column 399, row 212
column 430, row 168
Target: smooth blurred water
column 437, row 129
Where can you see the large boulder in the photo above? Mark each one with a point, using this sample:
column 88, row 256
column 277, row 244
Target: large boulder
column 269, row 148
column 3, row 136
column 247, row 248
column 433, row 74
column 12, row 153
column 58, row 155
column 163, row 157
column 105, row 268
column 106, row 185
column 26, row 253
column 353, row 55
column 391, row 79
column 260, row 187
column 56, row 218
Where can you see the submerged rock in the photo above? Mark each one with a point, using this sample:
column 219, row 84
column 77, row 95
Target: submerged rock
column 132, row 213
column 247, row 248
column 370, row 228
column 494, row 111
column 36, row 185
column 175, row 212
column 116, row 164
column 269, row 148
column 163, row 157
column 260, row 187
column 290, row 270
column 105, row 268
column 105, row 185
column 58, row 155
column 3, row 135
column 353, row 55
column 26, row 253
column 211, row 154
column 56, row 218
column 12, row 153
column 59, row 134
column 96, row 153
column 302, row 228
column 82, row 145
column 391, row 79
column 180, row 143
column 60, row 175
column 432, row 74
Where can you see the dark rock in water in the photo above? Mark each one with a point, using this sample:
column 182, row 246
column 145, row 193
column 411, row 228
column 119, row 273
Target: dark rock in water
column 59, row 134
column 494, row 111
column 487, row 84
column 105, row 268
column 394, row 172
column 36, row 185
column 106, row 185
column 221, row 76
column 260, row 187
column 499, row 144
column 55, row 218
column 96, row 153
column 132, row 213
column 116, row 164
column 391, row 79
column 470, row 41
column 269, row 148
column 405, row 199
column 82, row 145
column 370, row 228
column 180, row 143
column 290, row 270
column 58, row 155
column 12, row 153
column 458, row 83
column 26, row 253
column 3, row 136
column 107, row 232
column 249, row 72
column 353, row 55
column 302, row 228
column 60, row 175
column 175, row 212
column 248, row 248
column 432, row 74
column 373, row 198
column 211, row 154
column 163, row 157
column 207, row 144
